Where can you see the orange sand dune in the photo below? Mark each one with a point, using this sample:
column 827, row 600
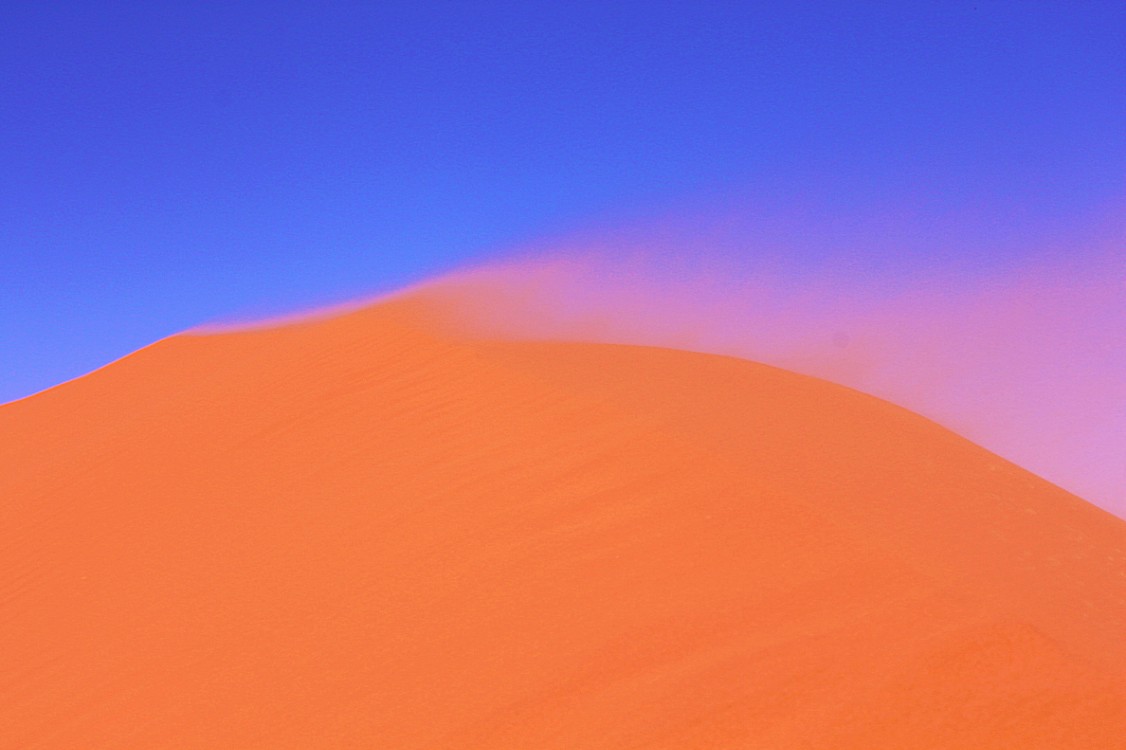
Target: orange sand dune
column 365, row 532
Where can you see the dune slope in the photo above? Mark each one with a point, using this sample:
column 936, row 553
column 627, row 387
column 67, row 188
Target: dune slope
column 366, row 531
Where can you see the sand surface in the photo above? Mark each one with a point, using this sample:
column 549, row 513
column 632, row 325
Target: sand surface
column 367, row 531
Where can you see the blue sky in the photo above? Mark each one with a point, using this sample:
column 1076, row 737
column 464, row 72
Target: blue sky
column 165, row 165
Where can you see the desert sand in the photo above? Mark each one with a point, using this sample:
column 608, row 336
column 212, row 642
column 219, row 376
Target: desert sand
column 370, row 530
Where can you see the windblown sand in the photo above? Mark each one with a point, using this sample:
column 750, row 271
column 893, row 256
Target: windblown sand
column 369, row 531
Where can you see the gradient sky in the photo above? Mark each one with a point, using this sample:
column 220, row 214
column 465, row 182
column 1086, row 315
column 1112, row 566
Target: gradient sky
column 165, row 165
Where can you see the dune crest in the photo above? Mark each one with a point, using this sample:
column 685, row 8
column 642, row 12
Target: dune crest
column 1029, row 363
column 376, row 530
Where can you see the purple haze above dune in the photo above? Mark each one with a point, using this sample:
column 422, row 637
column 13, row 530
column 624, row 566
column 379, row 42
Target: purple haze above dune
column 1026, row 357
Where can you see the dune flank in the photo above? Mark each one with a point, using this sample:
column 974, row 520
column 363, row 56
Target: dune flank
column 370, row 531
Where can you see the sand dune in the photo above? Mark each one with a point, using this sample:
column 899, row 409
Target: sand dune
column 367, row 531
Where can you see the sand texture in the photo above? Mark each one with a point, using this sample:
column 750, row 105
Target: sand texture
column 369, row 532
